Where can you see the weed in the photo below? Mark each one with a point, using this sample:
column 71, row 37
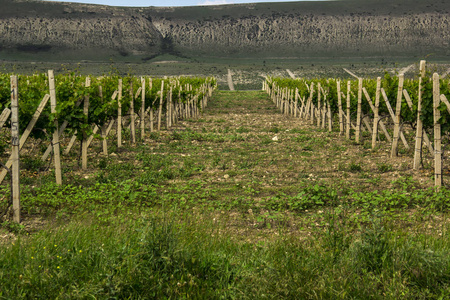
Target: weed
column 274, row 129
column 242, row 129
column 33, row 164
column 355, row 167
column 384, row 168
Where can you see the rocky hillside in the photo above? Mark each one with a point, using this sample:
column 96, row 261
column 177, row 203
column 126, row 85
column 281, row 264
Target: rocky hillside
column 76, row 30
column 296, row 29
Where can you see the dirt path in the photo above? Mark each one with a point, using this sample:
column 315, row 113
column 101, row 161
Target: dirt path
column 284, row 154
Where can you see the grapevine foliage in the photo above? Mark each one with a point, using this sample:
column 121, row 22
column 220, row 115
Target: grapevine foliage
column 390, row 86
column 72, row 92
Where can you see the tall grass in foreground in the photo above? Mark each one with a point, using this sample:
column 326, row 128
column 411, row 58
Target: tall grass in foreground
column 153, row 258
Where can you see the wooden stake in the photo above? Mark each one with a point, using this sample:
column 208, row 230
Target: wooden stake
column 419, row 128
column 119, row 116
column 71, row 143
column 4, row 116
column 150, row 83
column 61, row 131
column 391, row 112
column 311, row 93
column 347, row 132
column 341, row 121
column 295, row 102
column 424, row 135
column 437, row 132
column 15, row 149
column 56, row 148
column 376, row 113
column 359, row 112
column 330, row 118
column 133, row 117
column 91, row 137
column 394, row 150
column 161, row 99
column 319, row 108
column 84, row 142
column 168, row 108
column 26, row 134
column 142, row 108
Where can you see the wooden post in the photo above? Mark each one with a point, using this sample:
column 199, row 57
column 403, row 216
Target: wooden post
column 169, row 100
column 61, row 131
column 312, row 104
column 56, row 148
column 419, row 128
column 376, row 113
column 383, row 127
column 437, row 132
column 341, row 120
column 4, row 116
column 133, row 117
column 312, row 113
column 91, row 137
column 347, row 132
column 150, row 83
column 324, row 110
column 84, row 142
column 142, row 108
column 330, row 117
column 160, row 105
column 319, row 105
column 72, row 141
column 15, row 149
column 425, row 135
column 26, row 134
column 359, row 112
column 119, row 116
column 394, row 150
column 103, row 129
column 105, row 132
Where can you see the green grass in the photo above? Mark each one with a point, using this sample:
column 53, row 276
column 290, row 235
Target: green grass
column 161, row 257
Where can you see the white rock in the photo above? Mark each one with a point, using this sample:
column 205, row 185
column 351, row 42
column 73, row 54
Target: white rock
column 275, row 138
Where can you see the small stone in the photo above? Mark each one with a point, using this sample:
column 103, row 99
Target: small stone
column 113, row 155
column 226, row 176
column 275, row 138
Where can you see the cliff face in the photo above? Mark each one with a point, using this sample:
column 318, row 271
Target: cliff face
column 127, row 35
column 54, row 27
column 327, row 28
column 324, row 28
column 308, row 34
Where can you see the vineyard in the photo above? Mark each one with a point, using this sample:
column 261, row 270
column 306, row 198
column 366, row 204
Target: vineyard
column 363, row 109
column 169, row 188
column 86, row 106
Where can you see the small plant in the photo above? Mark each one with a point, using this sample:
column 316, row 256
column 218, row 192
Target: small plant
column 355, row 167
column 33, row 164
column 13, row 227
column 274, row 129
column 154, row 136
column 384, row 168
column 103, row 163
column 242, row 129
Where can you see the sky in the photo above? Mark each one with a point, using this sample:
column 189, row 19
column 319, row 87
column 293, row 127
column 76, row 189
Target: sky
column 144, row 3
